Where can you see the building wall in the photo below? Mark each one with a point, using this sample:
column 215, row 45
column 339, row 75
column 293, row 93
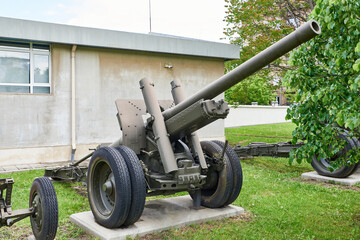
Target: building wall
column 37, row 128
column 247, row 115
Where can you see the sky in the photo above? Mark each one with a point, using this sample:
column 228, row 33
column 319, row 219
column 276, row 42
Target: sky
column 201, row 19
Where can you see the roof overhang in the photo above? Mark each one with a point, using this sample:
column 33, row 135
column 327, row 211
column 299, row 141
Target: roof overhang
column 18, row 29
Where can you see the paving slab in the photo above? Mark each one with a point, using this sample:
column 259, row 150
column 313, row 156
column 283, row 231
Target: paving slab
column 349, row 181
column 10, row 169
column 37, row 166
column 158, row 215
column 23, row 167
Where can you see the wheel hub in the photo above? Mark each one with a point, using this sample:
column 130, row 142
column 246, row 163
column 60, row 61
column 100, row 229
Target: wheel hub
column 103, row 188
column 108, row 187
column 37, row 216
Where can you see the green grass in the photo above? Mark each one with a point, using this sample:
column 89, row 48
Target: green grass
column 270, row 133
column 278, row 204
column 69, row 202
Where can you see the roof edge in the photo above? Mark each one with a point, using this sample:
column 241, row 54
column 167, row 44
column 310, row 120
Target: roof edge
column 12, row 28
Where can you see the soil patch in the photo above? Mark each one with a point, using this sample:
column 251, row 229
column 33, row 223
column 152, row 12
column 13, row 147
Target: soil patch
column 82, row 190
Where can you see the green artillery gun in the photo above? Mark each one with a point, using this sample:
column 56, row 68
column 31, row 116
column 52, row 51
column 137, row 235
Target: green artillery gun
column 160, row 153
column 43, row 208
column 320, row 165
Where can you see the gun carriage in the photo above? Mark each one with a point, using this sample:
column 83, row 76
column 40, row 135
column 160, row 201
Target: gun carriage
column 160, row 153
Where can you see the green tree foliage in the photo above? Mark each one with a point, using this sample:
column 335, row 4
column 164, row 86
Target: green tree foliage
column 253, row 89
column 254, row 26
column 328, row 80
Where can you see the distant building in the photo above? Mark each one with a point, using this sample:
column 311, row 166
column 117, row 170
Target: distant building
column 282, row 96
column 37, row 99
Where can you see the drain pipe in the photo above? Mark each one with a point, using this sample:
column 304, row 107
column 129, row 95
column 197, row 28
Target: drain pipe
column 73, row 112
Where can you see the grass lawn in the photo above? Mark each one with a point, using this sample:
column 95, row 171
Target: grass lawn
column 278, row 204
column 270, row 133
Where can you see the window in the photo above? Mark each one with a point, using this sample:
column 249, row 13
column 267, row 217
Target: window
column 24, row 67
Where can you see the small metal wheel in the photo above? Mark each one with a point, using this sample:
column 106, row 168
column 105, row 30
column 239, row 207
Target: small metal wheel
column 236, row 169
column 109, row 187
column 219, row 182
column 138, row 184
column 322, row 165
column 43, row 200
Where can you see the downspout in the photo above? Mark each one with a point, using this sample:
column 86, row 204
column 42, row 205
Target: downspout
column 73, row 97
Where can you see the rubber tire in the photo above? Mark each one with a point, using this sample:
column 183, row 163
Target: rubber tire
column 237, row 171
column 138, row 184
column 220, row 195
column 43, row 187
column 121, row 207
column 357, row 145
column 342, row 172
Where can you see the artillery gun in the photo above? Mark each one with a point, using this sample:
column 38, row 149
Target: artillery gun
column 159, row 152
column 321, row 165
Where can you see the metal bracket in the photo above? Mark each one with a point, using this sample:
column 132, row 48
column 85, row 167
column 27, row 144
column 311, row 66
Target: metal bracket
column 67, row 173
column 131, row 122
column 224, row 150
column 5, row 204
column 196, row 198
column 6, row 214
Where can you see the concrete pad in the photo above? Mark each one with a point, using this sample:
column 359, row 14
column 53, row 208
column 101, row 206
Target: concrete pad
column 349, row 181
column 158, row 215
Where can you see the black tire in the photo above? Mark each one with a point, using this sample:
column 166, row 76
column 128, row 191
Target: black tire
column 44, row 221
column 236, row 169
column 138, row 184
column 357, row 145
column 217, row 194
column 109, row 187
column 322, row 165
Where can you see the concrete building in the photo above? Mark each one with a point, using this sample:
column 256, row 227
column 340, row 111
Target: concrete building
column 59, row 83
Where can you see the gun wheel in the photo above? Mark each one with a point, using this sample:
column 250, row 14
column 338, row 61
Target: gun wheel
column 236, row 170
column 109, row 190
column 44, row 220
column 322, row 165
column 219, row 183
column 138, row 184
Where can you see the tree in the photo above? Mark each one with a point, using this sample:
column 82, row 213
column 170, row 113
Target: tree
column 255, row 25
column 252, row 89
column 328, row 79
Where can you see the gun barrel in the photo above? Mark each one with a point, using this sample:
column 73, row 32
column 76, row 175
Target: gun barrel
column 264, row 58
